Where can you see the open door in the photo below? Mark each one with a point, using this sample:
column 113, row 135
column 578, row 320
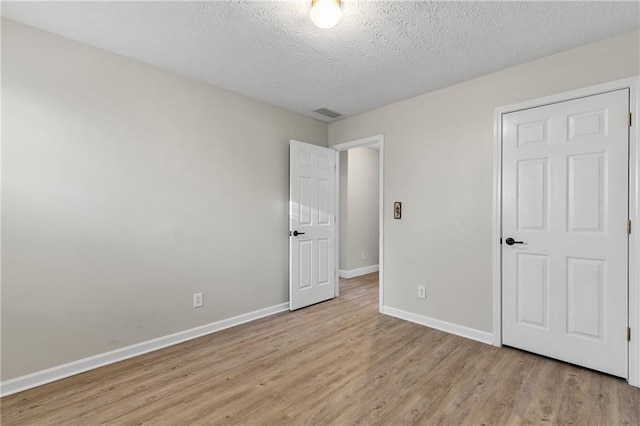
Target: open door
column 312, row 228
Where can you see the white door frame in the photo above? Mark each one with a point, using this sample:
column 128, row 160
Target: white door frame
column 633, row 84
column 376, row 141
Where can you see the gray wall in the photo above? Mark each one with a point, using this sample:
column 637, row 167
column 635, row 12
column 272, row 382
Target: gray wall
column 439, row 163
column 125, row 189
column 359, row 207
column 344, row 203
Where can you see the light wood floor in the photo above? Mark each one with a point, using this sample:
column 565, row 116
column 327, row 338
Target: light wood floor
column 338, row 362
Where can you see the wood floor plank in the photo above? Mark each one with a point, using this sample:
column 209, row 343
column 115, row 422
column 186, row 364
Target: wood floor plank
column 338, row 362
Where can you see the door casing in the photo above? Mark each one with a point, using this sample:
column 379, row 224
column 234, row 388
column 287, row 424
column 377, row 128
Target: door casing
column 377, row 140
column 633, row 84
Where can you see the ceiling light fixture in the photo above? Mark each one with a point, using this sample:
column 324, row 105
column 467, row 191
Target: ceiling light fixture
column 325, row 13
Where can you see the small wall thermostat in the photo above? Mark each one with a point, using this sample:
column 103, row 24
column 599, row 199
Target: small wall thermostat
column 397, row 210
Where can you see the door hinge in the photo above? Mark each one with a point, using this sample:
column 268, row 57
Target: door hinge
column 628, row 334
column 629, row 119
column 629, row 227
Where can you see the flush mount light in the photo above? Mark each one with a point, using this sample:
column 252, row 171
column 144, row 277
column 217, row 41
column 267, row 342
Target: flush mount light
column 325, row 13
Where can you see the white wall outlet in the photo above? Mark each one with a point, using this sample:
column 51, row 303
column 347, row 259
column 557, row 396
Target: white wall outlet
column 422, row 292
column 198, row 300
column 361, row 256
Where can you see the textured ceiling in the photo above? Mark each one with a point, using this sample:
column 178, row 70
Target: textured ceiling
column 379, row 53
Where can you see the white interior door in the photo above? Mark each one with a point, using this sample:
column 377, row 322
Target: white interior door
column 565, row 203
column 311, row 224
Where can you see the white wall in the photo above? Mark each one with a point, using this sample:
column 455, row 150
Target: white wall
column 125, row 189
column 438, row 162
column 359, row 220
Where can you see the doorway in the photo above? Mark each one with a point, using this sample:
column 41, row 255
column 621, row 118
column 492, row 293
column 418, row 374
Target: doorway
column 359, row 233
column 351, row 263
column 565, row 257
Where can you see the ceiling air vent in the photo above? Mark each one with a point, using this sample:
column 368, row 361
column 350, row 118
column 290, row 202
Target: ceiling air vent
column 328, row 113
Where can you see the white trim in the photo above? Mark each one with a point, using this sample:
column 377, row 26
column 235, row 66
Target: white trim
column 368, row 141
column 352, row 273
column 336, row 203
column 634, row 240
column 633, row 84
column 49, row 375
column 377, row 142
column 447, row 327
column 381, row 226
column 496, row 247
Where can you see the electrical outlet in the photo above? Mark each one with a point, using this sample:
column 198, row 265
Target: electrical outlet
column 361, row 256
column 198, row 300
column 422, row 292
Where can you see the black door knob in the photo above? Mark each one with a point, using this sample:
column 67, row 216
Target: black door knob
column 510, row 241
column 296, row 233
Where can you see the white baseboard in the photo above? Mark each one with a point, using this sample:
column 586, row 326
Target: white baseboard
column 447, row 327
column 42, row 377
column 352, row 273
